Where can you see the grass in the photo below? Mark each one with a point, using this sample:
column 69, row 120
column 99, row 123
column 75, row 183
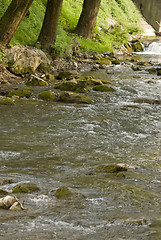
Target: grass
column 116, row 21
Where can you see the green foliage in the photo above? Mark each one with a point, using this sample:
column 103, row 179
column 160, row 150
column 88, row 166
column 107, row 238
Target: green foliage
column 116, row 20
column 2, row 55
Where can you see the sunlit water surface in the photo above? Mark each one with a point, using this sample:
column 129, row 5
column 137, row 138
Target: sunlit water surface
column 55, row 144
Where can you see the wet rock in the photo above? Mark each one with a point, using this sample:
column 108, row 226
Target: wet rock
column 158, row 70
column 102, row 88
column 25, row 188
column 3, row 192
column 6, row 101
column 49, row 77
column 66, row 193
column 120, row 175
column 115, row 61
column 111, row 168
column 48, row 96
column 24, row 60
column 137, row 46
column 71, row 97
column 74, row 86
column 136, row 68
column 36, row 81
column 107, row 61
column 147, row 100
column 4, row 181
column 67, row 75
column 22, row 93
column 7, row 202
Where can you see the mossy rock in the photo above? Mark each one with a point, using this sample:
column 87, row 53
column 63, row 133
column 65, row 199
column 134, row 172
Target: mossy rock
column 36, row 81
column 49, row 77
column 63, row 192
column 152, row 70
column 47, row 96
column 66, row 193
column 107, row 61
column 25, row 188
column 137, row 46
column 74, row 86
column 66, row 76
column 115, row 61
column 103, row 88
column 94, row 82
column 6, row 101
column 111, row 168
column 158, row 71
column 25, row 92
column 71, row 97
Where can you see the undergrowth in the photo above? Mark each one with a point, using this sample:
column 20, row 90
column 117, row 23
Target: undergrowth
column 116, row 21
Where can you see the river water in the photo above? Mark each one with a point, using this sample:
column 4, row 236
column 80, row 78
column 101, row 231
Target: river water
column 55, row 144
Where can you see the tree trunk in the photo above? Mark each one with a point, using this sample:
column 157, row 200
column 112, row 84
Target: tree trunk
column 87, row 20
column 49, row 28
column 12, row 18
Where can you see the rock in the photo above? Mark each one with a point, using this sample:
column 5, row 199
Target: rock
column 67, row 75
column 147, row 100
column 24, row 60
column 115, row 61
column 6, row 101
column 137, row 46
column 158, row 71
column 71, row 97
column 103, row 88
column 25, row 92
column 111, row 168
column 7, row 202
column 49, row 77
column 3, row 192
column 4, row 181
column 66, row 193
column 107, row 61
column 48, row 96
column 36, row 81
column 74, row 86
column 25, row 188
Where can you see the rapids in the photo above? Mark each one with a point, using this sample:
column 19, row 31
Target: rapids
column 55, row 144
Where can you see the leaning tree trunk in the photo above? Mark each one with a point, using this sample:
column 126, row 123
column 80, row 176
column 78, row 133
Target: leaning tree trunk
column 48, row 32
column 87, row 20
column 12, row 18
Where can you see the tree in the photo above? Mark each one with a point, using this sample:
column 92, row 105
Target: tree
column 49, row 28
column 88, row 17
column 12, row 18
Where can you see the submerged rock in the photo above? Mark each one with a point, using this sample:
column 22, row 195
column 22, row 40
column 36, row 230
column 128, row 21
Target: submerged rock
column 71, row 97
column 25, row 188
column 24, row 60
column 147, row 100
column 102, row 88
column 111, row 168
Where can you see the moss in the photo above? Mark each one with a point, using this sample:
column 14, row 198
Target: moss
column 63, row 192
column 71, row 97
column 74, row 86
column 111, row 168
column 26, row 92
column 115, row 61
column 47, row 96
column 103, row 88
column 6, row 101
column 107, row 60
column 25, row 188
column 49, row 77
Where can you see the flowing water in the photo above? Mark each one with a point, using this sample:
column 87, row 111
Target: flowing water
column 55, row 144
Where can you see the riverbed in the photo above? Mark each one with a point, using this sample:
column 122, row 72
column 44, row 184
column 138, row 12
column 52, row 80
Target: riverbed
column 56, row 144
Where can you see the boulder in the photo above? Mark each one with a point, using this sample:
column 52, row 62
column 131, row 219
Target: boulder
column 74, row 86
column 22, row 60
column 111, row 168
column 21, row 93
column 7, row 202
column 102, row 88
column 6, row 101
column 66, row 193
column 36, row 81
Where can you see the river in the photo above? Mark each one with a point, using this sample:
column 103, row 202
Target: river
column 56, row 144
